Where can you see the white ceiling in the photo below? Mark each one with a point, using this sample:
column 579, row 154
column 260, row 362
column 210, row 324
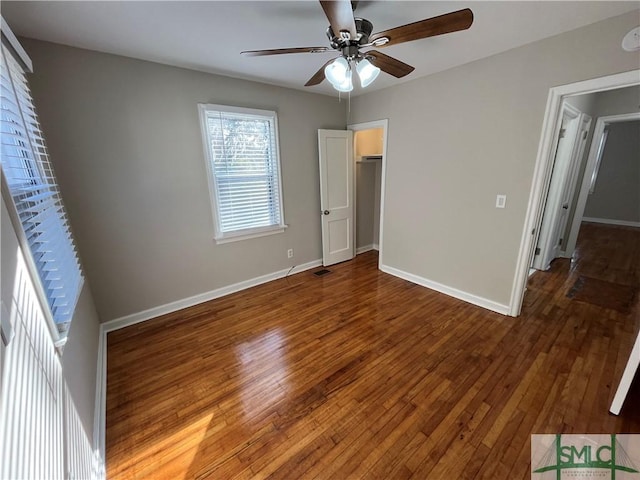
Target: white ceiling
column 209, row 36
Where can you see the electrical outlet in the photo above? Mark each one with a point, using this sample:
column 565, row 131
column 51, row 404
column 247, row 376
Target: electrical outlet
column 290, row 253
column 501, row 201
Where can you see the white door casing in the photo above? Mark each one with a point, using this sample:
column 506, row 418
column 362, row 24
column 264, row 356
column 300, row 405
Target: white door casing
column 335, row 149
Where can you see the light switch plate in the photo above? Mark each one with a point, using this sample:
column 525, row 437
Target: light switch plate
column 501, row 201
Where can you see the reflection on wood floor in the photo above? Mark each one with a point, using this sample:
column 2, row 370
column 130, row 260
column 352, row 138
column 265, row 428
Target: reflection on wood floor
column 358, row 374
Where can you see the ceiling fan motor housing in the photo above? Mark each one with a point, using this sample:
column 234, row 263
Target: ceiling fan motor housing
column 363, row 28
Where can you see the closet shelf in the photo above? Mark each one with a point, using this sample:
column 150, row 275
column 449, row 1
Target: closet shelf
column 369, row 158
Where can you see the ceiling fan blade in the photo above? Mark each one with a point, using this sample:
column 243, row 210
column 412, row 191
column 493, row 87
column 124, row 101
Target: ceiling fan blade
column 389, row 64
column 280, row 51
column 447, row 23
column 340, row 16
column 318, row 77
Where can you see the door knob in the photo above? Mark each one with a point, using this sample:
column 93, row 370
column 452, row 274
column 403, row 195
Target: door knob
column 326, row 212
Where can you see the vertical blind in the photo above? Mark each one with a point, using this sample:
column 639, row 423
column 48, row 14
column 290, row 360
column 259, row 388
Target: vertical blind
column 32, row 439
column 31, row 181
column 41, row 432
column 245, row 169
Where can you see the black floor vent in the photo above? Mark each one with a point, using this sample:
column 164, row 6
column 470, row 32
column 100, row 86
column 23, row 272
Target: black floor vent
column 324, row 271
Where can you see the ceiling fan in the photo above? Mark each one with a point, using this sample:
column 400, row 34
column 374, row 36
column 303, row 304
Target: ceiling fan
column 348, row 35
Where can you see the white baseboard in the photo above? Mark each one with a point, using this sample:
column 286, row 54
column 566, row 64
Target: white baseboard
column 365, row 248
column 154, row 312
column 609, row 221
column 452, row 292
column 376, row 247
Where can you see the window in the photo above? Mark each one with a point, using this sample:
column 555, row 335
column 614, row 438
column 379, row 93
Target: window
column 29, row 179
column 241, row 150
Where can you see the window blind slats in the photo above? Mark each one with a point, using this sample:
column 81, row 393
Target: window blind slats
column 245, row 169
column 33, row 186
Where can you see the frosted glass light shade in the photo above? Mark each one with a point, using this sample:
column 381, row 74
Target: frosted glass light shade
column 347, row 85
column 336, row 71
column 367, row 72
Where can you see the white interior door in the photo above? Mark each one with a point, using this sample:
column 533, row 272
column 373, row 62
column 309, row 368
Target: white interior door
column 336, row 195
column 571, row 183
column 555, row 211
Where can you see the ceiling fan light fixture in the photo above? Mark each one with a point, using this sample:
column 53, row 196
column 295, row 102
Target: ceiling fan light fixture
column 367, row 72
column 348, row 35
column 336, row 71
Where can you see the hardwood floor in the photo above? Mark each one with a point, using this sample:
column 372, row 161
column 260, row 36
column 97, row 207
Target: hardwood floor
column 358, row 374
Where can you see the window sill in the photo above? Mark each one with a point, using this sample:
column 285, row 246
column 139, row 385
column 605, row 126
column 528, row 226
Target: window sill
column 247, row 234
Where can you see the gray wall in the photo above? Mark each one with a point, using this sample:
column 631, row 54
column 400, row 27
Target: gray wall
column 79, row 359
column 125, row 138
column 458, row 138
column 585, row 103
column 619, row 101
column 617, row 189
column 367, row 199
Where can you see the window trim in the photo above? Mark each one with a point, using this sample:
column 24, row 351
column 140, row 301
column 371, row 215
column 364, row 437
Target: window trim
column 221, row 237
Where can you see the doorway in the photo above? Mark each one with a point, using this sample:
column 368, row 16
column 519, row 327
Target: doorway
column 339, row 190
column 367, row 146
column 601, row 206
column 370, row 149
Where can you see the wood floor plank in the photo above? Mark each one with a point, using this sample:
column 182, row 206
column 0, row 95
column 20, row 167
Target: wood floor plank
column 359, row 374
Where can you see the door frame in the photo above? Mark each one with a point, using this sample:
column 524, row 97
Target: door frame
column 355, row 127
column 543, row 168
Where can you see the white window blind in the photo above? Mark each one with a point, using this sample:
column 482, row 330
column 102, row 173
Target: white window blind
column 33, row 187
column 241, row 146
